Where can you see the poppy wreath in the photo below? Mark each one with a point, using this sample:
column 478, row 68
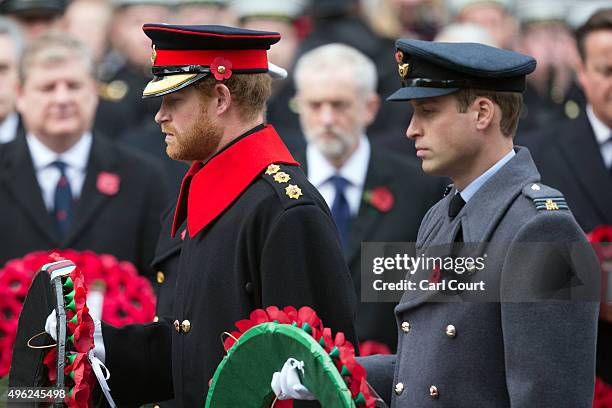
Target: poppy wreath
column 128, row 297
column 601, row 240
column 341, row 351
column 78, row 373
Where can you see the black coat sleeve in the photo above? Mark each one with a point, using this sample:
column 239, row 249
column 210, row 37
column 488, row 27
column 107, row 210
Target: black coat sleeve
column 139, row 358
column 302, row 264
column 27, row 369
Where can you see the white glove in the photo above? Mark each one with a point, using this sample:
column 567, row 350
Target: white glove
column 51, row 325
column 286, row 384
column 99, row 350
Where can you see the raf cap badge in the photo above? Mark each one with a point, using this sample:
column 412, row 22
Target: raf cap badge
column 402, row 67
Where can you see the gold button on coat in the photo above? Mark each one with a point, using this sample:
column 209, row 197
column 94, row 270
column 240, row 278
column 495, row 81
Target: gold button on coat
column 451, row 331
column 177, row 326
column 405, row 327
column 156, row 319
column 399, row 388
column 433, row 392
column 160, row 277
column 186, row 326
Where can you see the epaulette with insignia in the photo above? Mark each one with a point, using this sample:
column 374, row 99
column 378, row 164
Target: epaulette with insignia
column 283, row 183
column 545, row 198
column 447, row 190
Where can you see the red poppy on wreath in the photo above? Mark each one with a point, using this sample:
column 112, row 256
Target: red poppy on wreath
column 81, row 373
column 122, row 286
column 603, row 394
column 380, row 198
column 602, row 233
column 108, row 183
column 221, row 68
column 339, row 349
column 15, row 280
column 372, row 347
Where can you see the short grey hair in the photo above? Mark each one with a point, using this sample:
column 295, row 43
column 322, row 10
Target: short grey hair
column 12, row 30
column 465, row 32
column 53, row 48
column 336, row 56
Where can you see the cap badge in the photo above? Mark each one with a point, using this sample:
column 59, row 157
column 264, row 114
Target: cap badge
column 153, row 55
column 293, row 191
column 221, row 68
column 403, row 69
column 399, row 57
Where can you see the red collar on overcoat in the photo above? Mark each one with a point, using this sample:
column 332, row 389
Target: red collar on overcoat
column 209, row 189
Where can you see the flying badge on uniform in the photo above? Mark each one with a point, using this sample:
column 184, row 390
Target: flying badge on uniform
column 272, row 169
column 293, row 191
column 282, row 177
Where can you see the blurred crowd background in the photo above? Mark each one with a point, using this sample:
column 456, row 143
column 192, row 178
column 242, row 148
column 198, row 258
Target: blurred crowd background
column 112, row 30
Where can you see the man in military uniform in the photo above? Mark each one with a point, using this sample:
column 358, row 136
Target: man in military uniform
column 35, row 17
column 462, row 349
column 258, row 233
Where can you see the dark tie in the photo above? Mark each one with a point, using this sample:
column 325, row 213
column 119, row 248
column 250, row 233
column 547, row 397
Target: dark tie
column 62, row 210
column 340, row 209
column 456, row 205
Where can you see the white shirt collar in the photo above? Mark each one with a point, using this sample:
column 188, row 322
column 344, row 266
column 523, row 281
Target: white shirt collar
column 320, row 170
column 602, row 132
column 76, row 157
column 8, row 128
column 471, row 189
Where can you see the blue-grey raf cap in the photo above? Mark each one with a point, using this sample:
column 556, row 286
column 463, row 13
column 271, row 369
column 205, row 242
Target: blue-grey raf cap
column 428, row 69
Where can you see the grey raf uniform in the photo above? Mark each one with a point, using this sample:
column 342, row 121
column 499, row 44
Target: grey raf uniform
column 529, row 339
column 495, row 354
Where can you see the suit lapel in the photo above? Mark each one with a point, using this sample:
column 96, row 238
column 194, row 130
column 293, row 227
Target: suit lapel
column 587, row 165
column 102, row 159
column 21, row 180
column 363, row 225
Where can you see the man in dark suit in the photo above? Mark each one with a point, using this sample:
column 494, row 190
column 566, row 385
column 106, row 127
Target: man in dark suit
column 374, row 194
column 63, row 187
column 11, row 44
column 575, row 156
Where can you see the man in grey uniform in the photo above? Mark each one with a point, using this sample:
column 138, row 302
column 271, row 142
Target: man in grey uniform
column 528, row 339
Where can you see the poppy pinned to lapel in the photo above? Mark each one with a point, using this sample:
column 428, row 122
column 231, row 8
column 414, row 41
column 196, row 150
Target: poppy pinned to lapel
column 380, row 198
column 108, row 183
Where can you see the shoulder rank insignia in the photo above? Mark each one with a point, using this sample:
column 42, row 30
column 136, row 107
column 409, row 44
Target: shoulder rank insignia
column 293, row 191
column 545, row 198
column 282, row 177
column 550, row 203
column 272, row 169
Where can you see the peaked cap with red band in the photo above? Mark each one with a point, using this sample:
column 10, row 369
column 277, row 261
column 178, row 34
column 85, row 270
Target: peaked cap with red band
column 183, row 55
